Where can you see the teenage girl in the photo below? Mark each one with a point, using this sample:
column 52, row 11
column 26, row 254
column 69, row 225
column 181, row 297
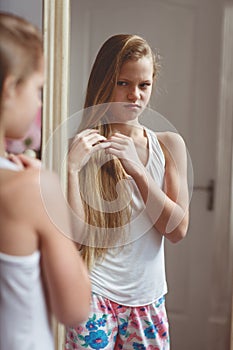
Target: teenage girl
column 40, row 269
column 140, row 197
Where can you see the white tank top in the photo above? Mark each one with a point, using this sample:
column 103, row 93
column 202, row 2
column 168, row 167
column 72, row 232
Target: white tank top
column 134, row 275
column 24, row 321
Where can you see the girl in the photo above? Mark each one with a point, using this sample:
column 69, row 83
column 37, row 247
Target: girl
column 144, row 174
column 40, row 269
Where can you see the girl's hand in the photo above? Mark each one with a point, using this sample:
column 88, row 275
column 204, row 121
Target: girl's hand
column 83, row 146
column 24, row 162
column 123, row 147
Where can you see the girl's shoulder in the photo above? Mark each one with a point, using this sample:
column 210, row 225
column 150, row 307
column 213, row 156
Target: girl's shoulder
column 23, row 189
column 15, row 182
column 170, row 138
column 23, row 213
column 18, row 205
column 171, row 142
column 174, row 149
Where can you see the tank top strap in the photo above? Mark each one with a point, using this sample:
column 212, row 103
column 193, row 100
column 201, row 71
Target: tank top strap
column 156, row 160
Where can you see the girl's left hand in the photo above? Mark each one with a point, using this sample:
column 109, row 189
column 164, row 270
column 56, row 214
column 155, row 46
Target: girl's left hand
column 123, row 147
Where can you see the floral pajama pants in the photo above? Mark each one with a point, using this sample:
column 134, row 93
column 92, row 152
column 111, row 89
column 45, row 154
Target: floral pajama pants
column 113, row 327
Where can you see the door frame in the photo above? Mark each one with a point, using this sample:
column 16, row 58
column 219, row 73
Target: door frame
column 56, row 24
column 224, row 191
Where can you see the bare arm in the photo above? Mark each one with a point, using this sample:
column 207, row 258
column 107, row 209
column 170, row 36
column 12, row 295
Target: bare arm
column 64, row 271
column 168, row 208
column 34, row 216
column 172, row 203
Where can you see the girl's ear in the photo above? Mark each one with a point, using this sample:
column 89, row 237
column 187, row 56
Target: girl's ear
column 9, row 89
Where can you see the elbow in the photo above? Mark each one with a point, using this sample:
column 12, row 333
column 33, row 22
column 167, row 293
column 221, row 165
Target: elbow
column 82, row 315
column 178, row 233
column 81, row 312
column 75, row 315
column 74, row 319
column 175, row 237
column 76, row 307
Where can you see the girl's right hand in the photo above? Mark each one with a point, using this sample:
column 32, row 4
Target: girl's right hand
column 24, row 162
column 83, row 146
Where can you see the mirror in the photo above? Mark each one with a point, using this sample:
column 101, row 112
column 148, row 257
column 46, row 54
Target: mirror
column 194, row 39
column 194, row 92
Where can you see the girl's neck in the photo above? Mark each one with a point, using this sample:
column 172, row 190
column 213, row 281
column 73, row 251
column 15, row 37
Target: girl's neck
column 128, row 129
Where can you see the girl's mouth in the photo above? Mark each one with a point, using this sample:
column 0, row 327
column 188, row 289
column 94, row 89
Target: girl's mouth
column 132, row 106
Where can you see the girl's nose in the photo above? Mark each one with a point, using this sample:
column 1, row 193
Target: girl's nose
column 134, row 94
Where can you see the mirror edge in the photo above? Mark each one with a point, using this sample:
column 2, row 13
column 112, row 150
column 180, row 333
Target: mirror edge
column 56, row 32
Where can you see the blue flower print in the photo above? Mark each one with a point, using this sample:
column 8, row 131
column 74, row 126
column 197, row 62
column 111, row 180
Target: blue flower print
column 160, row 301
column 123, row 328
column 91, row 325
column 101, row 321
column 138, row 346
column 150, row 332
column 97, row 340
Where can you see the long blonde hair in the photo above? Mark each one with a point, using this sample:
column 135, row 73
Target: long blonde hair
column 103, row 173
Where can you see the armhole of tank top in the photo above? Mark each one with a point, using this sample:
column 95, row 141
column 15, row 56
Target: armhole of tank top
column 150, row 133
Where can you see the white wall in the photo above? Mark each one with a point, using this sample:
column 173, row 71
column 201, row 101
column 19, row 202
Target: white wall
column 29, row 9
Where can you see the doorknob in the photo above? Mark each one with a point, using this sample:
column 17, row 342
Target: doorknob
column 210, row 189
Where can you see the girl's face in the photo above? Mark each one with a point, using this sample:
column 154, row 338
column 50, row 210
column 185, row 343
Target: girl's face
column 25, row 103
column 134, row 86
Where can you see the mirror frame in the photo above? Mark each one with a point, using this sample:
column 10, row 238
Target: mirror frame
column 56, row 32
column 56, row 28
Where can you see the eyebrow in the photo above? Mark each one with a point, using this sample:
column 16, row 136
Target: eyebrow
column 129, row 80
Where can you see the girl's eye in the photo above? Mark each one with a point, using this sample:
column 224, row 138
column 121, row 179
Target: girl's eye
column 122, row 83
column 145, row 85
